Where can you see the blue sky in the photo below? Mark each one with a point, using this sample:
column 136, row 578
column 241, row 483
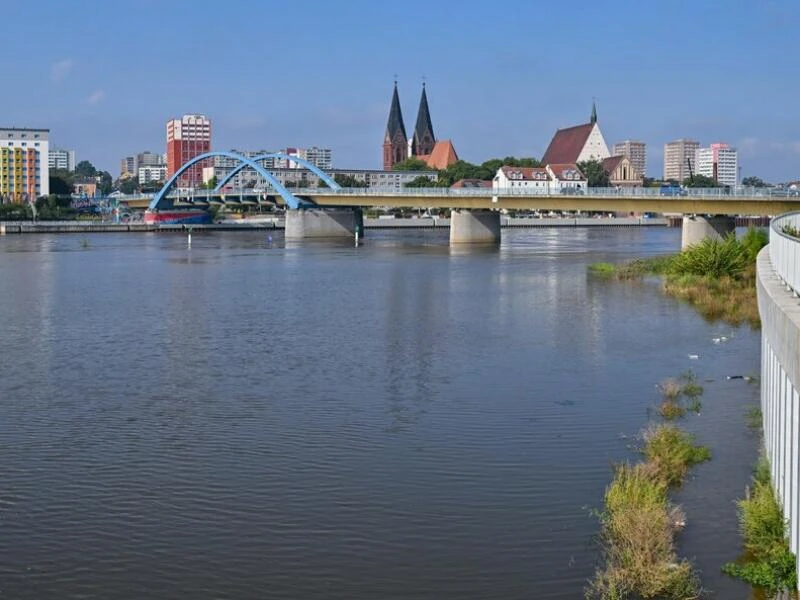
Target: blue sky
column 105, row 76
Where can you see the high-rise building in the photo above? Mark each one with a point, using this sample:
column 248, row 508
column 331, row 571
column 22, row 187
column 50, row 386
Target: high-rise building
column 146, row 174
column 678, row 157
column 127, row 167
column 635, row 152
column 62, row 159
column 149, row 159
column 188, row 137
column 321, row 158
column 24, row 164
column 720, row 162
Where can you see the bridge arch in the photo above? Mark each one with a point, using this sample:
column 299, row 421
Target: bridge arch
column 291, row 200
column 310, row 166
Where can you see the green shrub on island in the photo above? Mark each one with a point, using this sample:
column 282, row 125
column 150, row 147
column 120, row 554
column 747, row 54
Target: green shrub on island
column 639, row 523
column 715, row 276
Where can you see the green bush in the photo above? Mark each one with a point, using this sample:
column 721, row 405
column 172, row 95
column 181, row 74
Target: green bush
column 712, row 258
column 753, row 241
column 672, row 452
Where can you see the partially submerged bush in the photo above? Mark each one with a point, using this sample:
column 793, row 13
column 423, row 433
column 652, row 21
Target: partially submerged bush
column 672, row 452
column 712, row 258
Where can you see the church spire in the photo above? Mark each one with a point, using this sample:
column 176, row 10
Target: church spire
column 395, row 141
column 424, row 139
column 593, row 118
column 395, row 124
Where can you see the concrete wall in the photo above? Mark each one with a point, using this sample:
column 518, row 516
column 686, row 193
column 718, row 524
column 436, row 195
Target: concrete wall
column 318, row 223
column 474, row 227
column 696, row 228
column 779, row 309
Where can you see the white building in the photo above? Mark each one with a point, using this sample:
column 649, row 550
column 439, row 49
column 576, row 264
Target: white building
column 62, row 159
column 720, row 162
column 550, row 179
column 24, row 164
column 150, row 159
column 319, row 157
column 148, row 174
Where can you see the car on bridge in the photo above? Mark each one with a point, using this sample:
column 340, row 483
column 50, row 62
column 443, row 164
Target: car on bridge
column 673, row 190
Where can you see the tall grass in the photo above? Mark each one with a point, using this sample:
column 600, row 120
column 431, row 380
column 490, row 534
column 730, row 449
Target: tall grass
column 712, row 258
column 639, row 523
column 768, row 563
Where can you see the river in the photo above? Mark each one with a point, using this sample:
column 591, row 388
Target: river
column 241, row 419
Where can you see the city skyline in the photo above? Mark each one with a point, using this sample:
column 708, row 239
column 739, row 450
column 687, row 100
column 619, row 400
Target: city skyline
column 723, row 75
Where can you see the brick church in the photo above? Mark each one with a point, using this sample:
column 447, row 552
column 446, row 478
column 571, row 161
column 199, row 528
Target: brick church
column 423, row 145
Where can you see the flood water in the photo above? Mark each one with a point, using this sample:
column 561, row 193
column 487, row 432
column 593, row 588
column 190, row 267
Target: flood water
column 246, row 420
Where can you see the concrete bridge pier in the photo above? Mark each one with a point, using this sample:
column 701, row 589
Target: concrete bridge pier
column 696, row 228
column 474, row 227
column 318, row 223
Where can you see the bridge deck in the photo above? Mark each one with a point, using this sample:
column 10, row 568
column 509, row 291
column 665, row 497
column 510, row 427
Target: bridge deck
column 636, row 201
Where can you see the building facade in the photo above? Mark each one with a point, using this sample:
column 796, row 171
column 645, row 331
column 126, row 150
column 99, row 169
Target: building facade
column 147, row 174
column 150, row 159
column 127, row 167
column 634, row 151
column 62, row 159
column 679, row 159
column 549, row 179
column 24, row 164
column 720, row 162
column 188, row 137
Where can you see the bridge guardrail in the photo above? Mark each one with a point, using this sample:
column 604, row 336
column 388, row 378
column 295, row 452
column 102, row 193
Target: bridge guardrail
column 633, row 192
column 784, row 249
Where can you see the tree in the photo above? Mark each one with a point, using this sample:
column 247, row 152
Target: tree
column 349, row 181
column 701, row 181
column 595, row 174
column 753, row 182
column 412, row 164
column 211, row 184
column 129, row 186
column 105, row 183
column 85, row 169
column 152, row 186
column 421, row 181
column 60, row 184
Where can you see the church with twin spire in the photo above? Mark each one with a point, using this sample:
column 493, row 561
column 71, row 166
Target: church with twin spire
column 423, row 145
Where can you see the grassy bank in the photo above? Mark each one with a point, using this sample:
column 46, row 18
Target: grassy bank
column 639, row 523
column 716, row 276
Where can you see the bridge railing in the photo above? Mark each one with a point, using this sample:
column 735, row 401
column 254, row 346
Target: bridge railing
column 784, row 249
column 444, row 192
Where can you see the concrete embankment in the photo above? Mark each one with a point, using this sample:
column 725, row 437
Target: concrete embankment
column 10, row 227
column 780, row 371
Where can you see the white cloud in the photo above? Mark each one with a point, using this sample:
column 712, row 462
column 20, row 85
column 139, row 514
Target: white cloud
column 96, row 97
column 59, row 70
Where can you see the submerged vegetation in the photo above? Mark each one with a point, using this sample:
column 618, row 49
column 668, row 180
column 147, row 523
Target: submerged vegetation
column 679, row 396
column 715, row 276
column 639, row 522
column 768, row 561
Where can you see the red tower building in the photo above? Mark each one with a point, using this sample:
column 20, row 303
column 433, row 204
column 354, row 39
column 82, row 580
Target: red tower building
column 188, row 137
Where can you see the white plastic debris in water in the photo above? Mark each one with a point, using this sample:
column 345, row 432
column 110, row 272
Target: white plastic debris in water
column 694, row 356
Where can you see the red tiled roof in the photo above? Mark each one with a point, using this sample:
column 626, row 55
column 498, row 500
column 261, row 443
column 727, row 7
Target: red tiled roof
column 558, row 170
column 442, row 156
column 526, row 172
column 471, row 183
column 611, row 163
column 566, row 145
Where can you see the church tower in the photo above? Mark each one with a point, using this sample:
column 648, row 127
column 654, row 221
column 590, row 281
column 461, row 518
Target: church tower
column 423, row 141
column 395, row 141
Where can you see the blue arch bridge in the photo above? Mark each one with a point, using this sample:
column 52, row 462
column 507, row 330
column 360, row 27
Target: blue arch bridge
column 334, row 211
